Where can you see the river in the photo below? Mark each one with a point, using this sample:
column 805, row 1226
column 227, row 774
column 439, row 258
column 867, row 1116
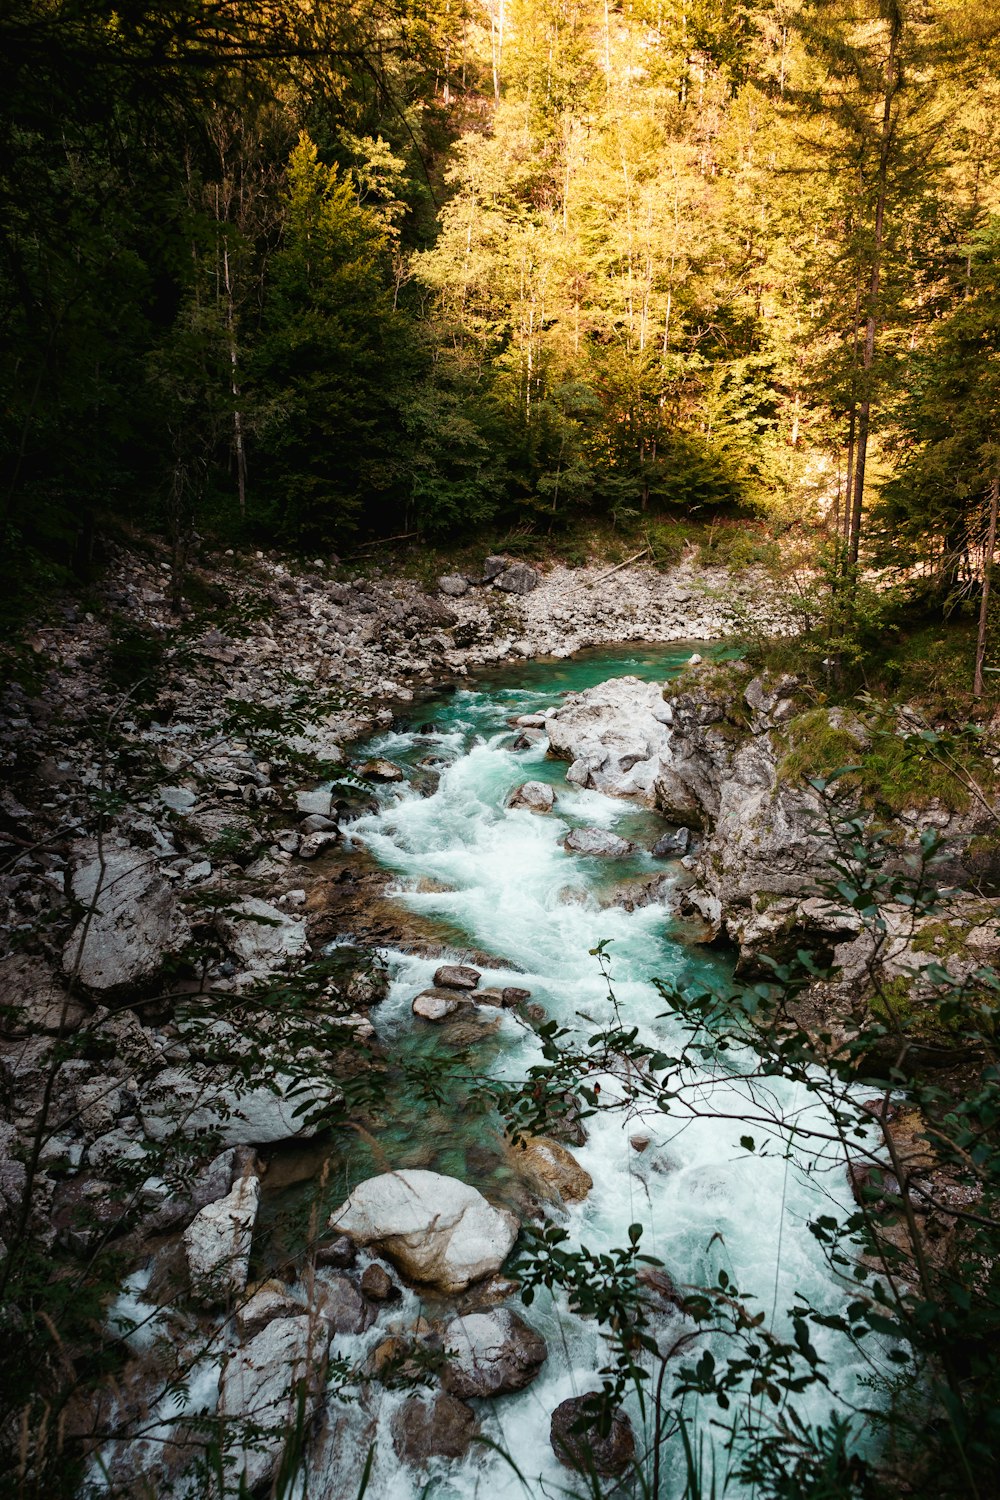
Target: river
column 497, row 881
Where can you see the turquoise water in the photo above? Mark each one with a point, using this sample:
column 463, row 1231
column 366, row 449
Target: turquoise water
column 498, row 882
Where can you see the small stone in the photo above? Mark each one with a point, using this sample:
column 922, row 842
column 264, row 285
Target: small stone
column 340, row 1253
column 178, row 798
column 380, row 770
column 457, row 977
column 454, row 585
column 377, row 1284
column 672, row 845
column 315, row 844
column 640, row 1143
column 513, row 996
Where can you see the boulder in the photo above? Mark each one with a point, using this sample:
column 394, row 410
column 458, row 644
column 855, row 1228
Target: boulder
column 597, row 842
column 513, row 996
column 519, row 578
column 427, row 1427
column 494, row 566
column 318, row 843
column 380, row 770
column 260, row 1387
column 672, row 845
column 579, row 1444
column 536, row 796
column 437, row 1005
column 204, row 1101
column 551, row 1169
column 454, row 585
column 457, row 977
column 32, row 1000
column 317, row 823
column 340, row 1253
column 217, row 1243
column 315, row 804
column 262, row 937
column 377, row 1284
column 133, row 922
column 616, row 736
column 433, row 1228
column 340, row 1304
column 271, row 1300
column 490, row 1353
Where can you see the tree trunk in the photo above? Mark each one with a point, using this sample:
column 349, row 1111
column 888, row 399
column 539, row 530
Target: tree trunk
column 892, row 84
column 991, row 538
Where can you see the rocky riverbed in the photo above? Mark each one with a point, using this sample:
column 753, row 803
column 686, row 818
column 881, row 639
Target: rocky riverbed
column 174, row 814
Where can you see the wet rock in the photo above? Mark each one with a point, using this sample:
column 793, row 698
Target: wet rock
column 437, row 1005
column 490, row 1353
column 271, row 1300
column 519, row 578
column 262, row 1384
column 134, row 926
column 513, row 996
column 660, row 1291
column 457, row 977
column 433, row 1228
column 381, row 770
column 672, row 845
column 597, row 842
column 367, row 986
column 551, row 1169
column 578, row 1443
column 536, row 796
column 454, row 585
column 340, row 1304
column 377, row 1284
column 217, row 1243
column 427, row 1427
column 340, row 1253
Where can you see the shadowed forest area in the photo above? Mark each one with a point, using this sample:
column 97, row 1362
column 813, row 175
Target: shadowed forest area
column 314, row 274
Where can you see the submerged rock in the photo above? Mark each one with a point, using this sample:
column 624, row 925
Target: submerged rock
column 434, row 1228
column 597, row 842
column 427, row 1427
column 217, row 1242
column 578, row 1443
column 490, row 1353
column 536, row 796
column 672, row 845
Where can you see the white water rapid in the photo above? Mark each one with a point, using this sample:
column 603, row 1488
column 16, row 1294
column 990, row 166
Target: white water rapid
column 501, row 879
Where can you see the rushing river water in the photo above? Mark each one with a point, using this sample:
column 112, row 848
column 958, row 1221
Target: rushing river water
column 498, row 881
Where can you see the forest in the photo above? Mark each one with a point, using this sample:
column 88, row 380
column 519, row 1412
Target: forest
column 499, row 727
column 315, row 274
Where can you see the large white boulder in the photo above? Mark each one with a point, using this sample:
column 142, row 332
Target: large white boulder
column 490, row 1353
column 259, row 1392
column 131, row 921
column 614, row 735
column 262, row 937
column 217, row 1242
column 434, row 1228
column 200, row 1101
